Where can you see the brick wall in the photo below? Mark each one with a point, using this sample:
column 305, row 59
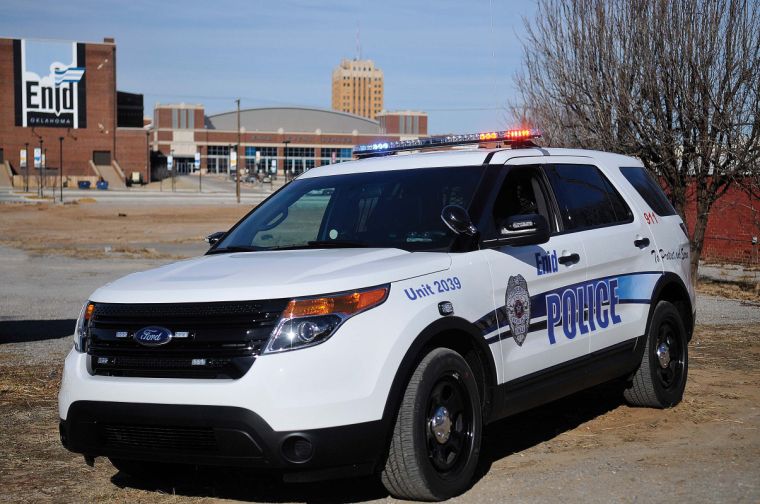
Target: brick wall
column 131, row 151
column 733, row 222
column 78, row 144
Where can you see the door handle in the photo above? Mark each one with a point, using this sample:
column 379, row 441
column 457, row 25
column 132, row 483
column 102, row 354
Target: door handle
column 569, row 258
column 641, row 242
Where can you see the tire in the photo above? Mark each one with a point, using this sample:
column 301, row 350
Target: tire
column 431, row 465
column 661, row 378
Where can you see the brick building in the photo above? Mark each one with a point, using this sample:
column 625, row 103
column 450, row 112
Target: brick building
column 405, row 123
column 60, row 97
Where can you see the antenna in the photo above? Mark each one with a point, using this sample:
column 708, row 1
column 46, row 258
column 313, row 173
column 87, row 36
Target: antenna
column 358, row 42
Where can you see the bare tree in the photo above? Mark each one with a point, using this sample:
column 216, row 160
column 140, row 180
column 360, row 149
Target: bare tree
column 673, row 82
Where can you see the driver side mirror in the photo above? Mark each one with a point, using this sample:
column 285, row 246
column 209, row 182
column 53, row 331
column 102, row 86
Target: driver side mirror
column 458, row 220
column 214, row 238
column 528, row 229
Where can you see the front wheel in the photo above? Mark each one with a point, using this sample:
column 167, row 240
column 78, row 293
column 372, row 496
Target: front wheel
column 436, row 440
column 661, row 379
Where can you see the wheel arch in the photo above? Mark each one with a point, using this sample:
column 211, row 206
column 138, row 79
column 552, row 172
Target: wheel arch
column 671, row 288
column 456, row 334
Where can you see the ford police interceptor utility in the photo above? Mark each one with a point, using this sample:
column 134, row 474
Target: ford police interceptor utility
column 372, row 316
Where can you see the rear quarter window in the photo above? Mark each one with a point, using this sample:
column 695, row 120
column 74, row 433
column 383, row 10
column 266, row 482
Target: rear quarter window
column 649, row 189
column 586, row 198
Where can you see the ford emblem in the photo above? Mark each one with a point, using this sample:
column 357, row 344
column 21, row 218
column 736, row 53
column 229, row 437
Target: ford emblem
column 153, row 336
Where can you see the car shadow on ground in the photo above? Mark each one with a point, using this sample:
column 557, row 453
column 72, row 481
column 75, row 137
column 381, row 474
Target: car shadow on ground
column 19, row 331
column 247, row 486
column 530, row 428
column 501, row 439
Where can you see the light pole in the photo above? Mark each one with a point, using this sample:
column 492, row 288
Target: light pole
column 174, row 168
column 60, row 157
column 147, row 155
column 200, row 165
column 44, row 173
column 26, row 167
column 237, row 161
column 285, row 168
column 39, row 172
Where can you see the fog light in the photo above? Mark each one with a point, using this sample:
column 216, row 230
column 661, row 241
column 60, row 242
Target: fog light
column 297, row 449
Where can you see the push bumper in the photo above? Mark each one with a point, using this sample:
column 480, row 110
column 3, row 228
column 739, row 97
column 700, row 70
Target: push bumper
column 220, row 435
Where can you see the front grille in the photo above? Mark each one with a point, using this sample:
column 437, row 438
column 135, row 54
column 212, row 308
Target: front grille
column 175, row 439
column 219, row 340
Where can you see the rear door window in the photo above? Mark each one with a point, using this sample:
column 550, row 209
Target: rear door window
column 586, row 199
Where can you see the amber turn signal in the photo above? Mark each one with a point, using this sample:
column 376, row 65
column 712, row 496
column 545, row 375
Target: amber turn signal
column 347, row 304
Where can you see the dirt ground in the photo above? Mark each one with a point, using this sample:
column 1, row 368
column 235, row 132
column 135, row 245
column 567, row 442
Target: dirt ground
column 707, row 447
column 590, row 447
column 101, row 230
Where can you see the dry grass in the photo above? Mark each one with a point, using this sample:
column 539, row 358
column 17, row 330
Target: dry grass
column 742, row 291
column 111, row 230
column 28, row 386
column 104, row 252
column 732, row 347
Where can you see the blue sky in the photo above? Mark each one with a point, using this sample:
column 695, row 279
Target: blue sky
column 453, row 59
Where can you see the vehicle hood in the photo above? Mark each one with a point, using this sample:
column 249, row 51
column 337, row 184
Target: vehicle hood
column 270, row 275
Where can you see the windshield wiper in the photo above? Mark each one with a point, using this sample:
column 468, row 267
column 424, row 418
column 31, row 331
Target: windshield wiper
column 336, row 244
column 235, row 248
column 315, row 244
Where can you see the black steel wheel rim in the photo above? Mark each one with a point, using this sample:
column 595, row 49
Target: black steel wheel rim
column 451, row 456
column 670, row 375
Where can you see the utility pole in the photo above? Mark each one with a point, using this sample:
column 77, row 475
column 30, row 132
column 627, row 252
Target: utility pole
column 60, row 157
column 237, row 149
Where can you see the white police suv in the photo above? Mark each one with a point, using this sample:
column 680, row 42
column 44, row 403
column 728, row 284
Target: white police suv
column 372, row 316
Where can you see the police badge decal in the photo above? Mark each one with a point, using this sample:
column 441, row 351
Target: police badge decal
column 518, row 308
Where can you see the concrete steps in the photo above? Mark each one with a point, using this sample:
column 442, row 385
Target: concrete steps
column 111, row 175
column 6, row 179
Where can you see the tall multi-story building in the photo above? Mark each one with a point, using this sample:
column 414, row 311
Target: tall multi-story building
column 357, row 88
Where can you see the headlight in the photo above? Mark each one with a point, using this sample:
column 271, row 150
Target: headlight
column 80, row 330
column 310, row 321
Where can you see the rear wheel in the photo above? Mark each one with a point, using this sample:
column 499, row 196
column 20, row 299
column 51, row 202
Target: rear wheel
column 661, row 379
column 436, row 439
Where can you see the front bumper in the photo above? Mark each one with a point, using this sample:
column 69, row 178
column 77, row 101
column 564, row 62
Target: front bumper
column 219, row 435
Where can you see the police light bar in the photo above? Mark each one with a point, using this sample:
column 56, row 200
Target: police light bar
column 515, row 136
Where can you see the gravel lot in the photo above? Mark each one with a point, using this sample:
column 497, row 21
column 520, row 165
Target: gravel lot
column 590, row 447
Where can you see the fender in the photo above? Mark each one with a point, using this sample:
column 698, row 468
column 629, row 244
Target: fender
column 460, row 329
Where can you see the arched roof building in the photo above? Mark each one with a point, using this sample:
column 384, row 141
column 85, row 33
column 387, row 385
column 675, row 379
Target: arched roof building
column 294, row 119
column 290, row 138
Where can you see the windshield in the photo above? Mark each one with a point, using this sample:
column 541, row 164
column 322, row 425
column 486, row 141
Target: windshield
column 388, row 209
